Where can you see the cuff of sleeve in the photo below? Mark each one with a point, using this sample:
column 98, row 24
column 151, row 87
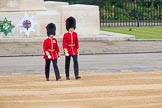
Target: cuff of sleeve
column 47, row 53
column 78, row 51
column 65, row 50
column 59, row 54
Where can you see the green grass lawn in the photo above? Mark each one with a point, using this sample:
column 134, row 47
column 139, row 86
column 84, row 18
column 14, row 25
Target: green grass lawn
column 139, row 32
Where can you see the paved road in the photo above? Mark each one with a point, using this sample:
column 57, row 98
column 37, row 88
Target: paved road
column 88, row 63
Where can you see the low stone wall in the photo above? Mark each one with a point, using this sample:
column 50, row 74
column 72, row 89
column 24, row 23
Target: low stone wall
column 87, row 17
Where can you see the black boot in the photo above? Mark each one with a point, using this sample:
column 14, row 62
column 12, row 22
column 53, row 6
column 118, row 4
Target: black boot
column 58, row 78
column 77, row 77
column 47, row 79
column 67, row 78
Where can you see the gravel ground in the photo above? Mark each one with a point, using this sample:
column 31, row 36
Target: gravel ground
column 113, row 90
column 86, row 47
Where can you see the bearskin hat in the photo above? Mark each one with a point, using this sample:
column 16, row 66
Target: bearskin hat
column 51, row 29
column 70, row 23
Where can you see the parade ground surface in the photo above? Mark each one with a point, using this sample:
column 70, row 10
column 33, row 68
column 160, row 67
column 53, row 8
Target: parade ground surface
column 121, row 74
column 106, row 90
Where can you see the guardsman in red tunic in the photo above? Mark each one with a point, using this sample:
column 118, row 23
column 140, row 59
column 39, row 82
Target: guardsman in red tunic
column 51, row 51
column 71, row 47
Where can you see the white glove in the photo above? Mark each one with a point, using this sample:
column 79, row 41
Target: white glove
column 49, row 57
column 59, row 58
column 66, row 54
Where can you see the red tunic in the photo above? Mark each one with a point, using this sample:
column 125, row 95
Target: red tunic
column 70, row 42
column 51, row 46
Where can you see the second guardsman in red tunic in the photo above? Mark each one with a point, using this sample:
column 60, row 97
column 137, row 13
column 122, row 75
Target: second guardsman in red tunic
column 51, row 51
column 71, row 47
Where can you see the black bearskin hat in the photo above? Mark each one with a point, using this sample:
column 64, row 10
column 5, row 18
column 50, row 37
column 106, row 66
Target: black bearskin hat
column 70, row 23
column 51, row 29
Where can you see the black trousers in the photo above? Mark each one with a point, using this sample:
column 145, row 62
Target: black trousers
column 67, row 65
column 47, row 68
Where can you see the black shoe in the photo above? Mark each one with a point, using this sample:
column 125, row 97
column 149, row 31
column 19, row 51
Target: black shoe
column 58, row 78
column 77, row 77
column 67, row 78
column 47, row 79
